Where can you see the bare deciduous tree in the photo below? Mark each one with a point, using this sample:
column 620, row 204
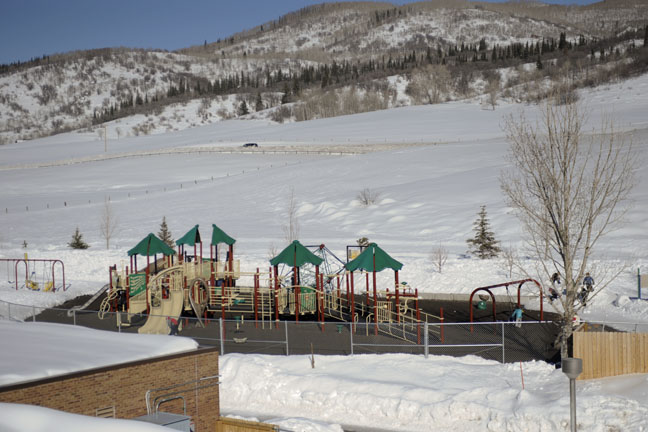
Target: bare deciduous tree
column 439, row 256
column 368, row 197
column 509, row 260
column 291, row 229
column 569, row 190
column 492, row 90
column 430, row 84
column 108, row 224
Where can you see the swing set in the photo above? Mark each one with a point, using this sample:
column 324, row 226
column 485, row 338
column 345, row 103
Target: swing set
column 489, row 289
column 35, row 274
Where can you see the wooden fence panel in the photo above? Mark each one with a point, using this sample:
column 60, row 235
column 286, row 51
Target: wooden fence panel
column 607, row 354
column 226, row 424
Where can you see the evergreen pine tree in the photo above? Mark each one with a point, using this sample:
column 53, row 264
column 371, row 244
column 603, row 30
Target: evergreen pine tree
column 77, row 241
column 483, row 244
column 539, row 65
column 286, row 94
column 646, row 36
column 164, row 234
column 243, row 109
column 259, row 103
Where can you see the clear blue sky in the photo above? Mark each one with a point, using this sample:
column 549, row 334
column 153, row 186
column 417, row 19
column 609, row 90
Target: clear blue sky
column 32, row 28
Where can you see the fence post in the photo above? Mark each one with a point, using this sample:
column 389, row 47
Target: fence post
column 351, row 336
column 221, row 336
column 74, row 316
column 638, row 283
column 33, row 313
column 287, row 347
column 503, row 350
column 9, row 310
column 425, row 339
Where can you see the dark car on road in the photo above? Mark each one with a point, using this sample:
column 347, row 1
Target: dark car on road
column 250, row 145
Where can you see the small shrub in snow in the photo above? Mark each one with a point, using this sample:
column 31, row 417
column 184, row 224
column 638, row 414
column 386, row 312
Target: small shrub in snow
column 367, row 197
column 77, row 241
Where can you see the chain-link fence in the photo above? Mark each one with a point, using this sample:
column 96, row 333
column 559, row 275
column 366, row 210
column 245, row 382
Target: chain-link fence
column 500, row 341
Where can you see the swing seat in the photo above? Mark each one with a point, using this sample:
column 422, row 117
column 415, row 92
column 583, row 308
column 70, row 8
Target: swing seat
column 32, row 285
column 48, row 286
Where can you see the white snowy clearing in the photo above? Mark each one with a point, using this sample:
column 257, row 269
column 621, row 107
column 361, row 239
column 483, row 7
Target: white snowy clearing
column 429, row 194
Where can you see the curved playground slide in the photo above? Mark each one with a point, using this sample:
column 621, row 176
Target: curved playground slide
column 157, row 320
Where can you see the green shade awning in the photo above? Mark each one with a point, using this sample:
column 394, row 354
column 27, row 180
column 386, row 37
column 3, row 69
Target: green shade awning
column 191, row 238
column 365, row 261
column 219, row 236
column 296, row 255
column 151, row 245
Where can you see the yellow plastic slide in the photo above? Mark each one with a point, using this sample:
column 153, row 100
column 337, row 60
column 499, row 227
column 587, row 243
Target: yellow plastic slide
column 157, row 320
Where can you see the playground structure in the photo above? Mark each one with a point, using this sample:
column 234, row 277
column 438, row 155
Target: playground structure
column 301, row 282
column 34, row 274
column 506, row 285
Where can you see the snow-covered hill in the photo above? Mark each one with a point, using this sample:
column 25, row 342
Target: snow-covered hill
column 162, row 91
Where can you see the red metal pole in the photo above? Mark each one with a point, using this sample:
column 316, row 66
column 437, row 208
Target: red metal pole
column 418, row 317
column 375, row 295
column 110, row 279
column 223, row 300
column 231, row 263
column 276, row 289
column 297, row 292
column 397, row 300
column 397, row 304
column 317, row 293
column 442, row 338
column 352, row 305
column 347, row 287
column 53, row 280
column 337, row 278
column 256, row 298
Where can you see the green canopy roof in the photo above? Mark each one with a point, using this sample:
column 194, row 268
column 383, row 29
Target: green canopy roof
column 191, row 238
column 151, row 245
column 219, row 236
column 365, row 261
column 296, row 255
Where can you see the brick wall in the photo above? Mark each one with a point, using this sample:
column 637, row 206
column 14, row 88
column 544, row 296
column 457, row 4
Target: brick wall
column 124, row 387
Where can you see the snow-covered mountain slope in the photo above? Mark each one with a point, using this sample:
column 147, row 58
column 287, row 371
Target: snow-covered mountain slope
column 81, row 90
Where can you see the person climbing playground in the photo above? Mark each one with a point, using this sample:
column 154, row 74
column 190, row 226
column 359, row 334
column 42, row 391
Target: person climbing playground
column 588, row 282
column 173, row 326
column 586, row 289
column 122, row 302
column 554, row 289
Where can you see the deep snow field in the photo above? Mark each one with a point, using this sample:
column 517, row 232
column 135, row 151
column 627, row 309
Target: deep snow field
column 429, row 195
